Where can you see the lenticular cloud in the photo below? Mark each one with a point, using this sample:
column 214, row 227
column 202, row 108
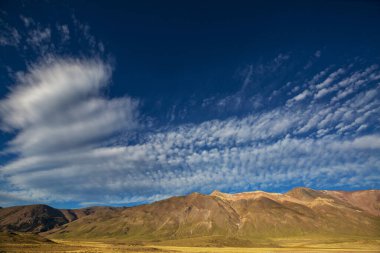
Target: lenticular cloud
column 57, row 105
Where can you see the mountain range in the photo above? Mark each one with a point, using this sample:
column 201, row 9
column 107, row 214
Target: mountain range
column 246, row 217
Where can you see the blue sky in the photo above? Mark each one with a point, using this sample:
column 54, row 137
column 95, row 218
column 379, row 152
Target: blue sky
column 112, row 103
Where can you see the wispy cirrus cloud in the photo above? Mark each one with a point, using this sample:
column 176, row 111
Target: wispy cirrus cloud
column 34, row 39
column 9, row 36
column 57, row 108
column 69, row 142
column 233, row 117
column 303, row 141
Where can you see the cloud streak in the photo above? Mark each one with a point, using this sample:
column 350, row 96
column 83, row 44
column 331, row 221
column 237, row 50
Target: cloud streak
column 57, row 106
column 69, row 138
column 55, row 109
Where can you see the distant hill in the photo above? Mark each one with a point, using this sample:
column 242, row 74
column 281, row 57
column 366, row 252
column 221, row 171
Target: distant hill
column 33, row 218
column 242, row 216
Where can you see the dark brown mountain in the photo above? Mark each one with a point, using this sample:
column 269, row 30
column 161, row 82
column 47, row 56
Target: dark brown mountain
column 33, row 218
column 299, row 212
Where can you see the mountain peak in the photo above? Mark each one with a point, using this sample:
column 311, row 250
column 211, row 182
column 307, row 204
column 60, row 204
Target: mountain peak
column 301, row 188
column 304, row 193
column 216, row 193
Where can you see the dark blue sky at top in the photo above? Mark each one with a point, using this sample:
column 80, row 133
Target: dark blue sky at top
column 171, row 49
column 189, row 62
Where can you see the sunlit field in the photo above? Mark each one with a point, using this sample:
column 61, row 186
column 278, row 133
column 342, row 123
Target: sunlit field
column 296, row 245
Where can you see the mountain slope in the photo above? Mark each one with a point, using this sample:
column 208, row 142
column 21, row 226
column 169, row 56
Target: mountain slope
column 176, row 217
column 248, row 215
column 304, row 211
column 33, row 218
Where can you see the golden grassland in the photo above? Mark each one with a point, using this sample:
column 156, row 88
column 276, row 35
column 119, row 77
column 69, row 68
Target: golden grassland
column 286, row 245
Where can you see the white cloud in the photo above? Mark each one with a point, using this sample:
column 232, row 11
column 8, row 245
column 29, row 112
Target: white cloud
column 37, row 39
column 301, row 96
column 58, row 105
column 28, row 21
column 9, row 36
column 39, row 36
column 363, row 142
column 254, row 151
column 330, row 79
column 64, row 31
column 61, row 120
column 84, row 31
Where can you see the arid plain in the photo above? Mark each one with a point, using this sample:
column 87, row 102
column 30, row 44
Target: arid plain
column 286, row 245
